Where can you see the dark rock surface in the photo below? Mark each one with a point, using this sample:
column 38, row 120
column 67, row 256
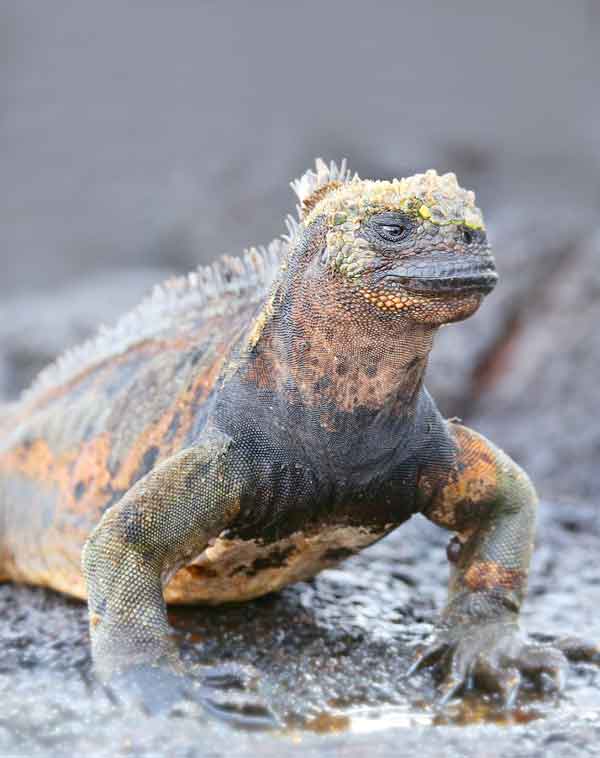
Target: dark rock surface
column 333, row 655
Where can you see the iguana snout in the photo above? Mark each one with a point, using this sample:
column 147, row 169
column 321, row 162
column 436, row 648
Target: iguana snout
column 448, row 274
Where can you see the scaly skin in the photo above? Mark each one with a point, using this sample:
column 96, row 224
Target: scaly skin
column 255, row 436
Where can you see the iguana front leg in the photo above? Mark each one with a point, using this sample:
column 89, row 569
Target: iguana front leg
column 491, row 505
column 161, row 523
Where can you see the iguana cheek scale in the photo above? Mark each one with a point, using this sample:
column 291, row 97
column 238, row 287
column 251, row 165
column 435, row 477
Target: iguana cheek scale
column 265, row 418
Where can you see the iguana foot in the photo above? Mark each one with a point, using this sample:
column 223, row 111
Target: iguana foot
column 153, row 689
column 490, row 657
column 229, row 692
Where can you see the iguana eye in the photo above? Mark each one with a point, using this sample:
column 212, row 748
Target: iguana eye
column 391, row 232
column 389, row 228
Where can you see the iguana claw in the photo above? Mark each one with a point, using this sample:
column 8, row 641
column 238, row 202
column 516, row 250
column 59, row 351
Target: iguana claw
column 490, row 657
column 231, row 692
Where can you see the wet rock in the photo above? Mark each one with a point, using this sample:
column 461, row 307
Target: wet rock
column 332, row 653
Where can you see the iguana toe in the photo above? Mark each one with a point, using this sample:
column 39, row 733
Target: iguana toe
column 494, row 657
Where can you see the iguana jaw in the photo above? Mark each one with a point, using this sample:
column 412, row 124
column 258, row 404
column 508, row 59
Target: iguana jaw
column 432, row 289
column 478, row 276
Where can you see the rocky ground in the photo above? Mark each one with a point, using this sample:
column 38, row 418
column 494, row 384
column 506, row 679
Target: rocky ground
column 333, row 655
column 334, row 652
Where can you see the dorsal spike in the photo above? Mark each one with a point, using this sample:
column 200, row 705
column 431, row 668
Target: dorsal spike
column 315, row 183
column 206, row 291
column 292, row 227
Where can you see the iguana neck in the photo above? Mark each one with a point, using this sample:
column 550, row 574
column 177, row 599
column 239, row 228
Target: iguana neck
column 322, row 345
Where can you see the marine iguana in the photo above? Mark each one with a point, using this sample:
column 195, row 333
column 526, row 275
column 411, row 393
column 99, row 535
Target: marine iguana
column 261, row 419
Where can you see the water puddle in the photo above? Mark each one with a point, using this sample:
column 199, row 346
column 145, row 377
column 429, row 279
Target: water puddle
column 470, row 712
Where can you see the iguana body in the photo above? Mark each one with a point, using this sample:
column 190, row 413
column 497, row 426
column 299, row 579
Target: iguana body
column 262, row 420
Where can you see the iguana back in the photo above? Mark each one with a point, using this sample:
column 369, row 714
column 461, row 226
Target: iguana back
column 105, row 413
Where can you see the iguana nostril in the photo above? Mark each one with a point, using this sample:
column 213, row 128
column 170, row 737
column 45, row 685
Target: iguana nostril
column 453, row 549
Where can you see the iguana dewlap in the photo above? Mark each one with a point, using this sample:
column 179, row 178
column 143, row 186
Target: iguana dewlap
column 265, row 418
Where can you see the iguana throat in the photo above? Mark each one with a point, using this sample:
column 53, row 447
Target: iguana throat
column 323, row 345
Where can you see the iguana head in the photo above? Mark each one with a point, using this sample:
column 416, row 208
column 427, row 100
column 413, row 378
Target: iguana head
column 413, row 248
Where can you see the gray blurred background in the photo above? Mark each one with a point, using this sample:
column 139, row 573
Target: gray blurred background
column 139, row 139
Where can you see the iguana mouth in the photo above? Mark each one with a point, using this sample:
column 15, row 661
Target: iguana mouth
column 447, row 279
column 484, row 283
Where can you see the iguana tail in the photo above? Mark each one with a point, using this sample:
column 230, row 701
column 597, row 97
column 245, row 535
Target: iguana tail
column 3, row 576
column 5, row 416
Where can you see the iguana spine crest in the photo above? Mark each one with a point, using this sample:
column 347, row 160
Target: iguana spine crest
column 201, row 292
